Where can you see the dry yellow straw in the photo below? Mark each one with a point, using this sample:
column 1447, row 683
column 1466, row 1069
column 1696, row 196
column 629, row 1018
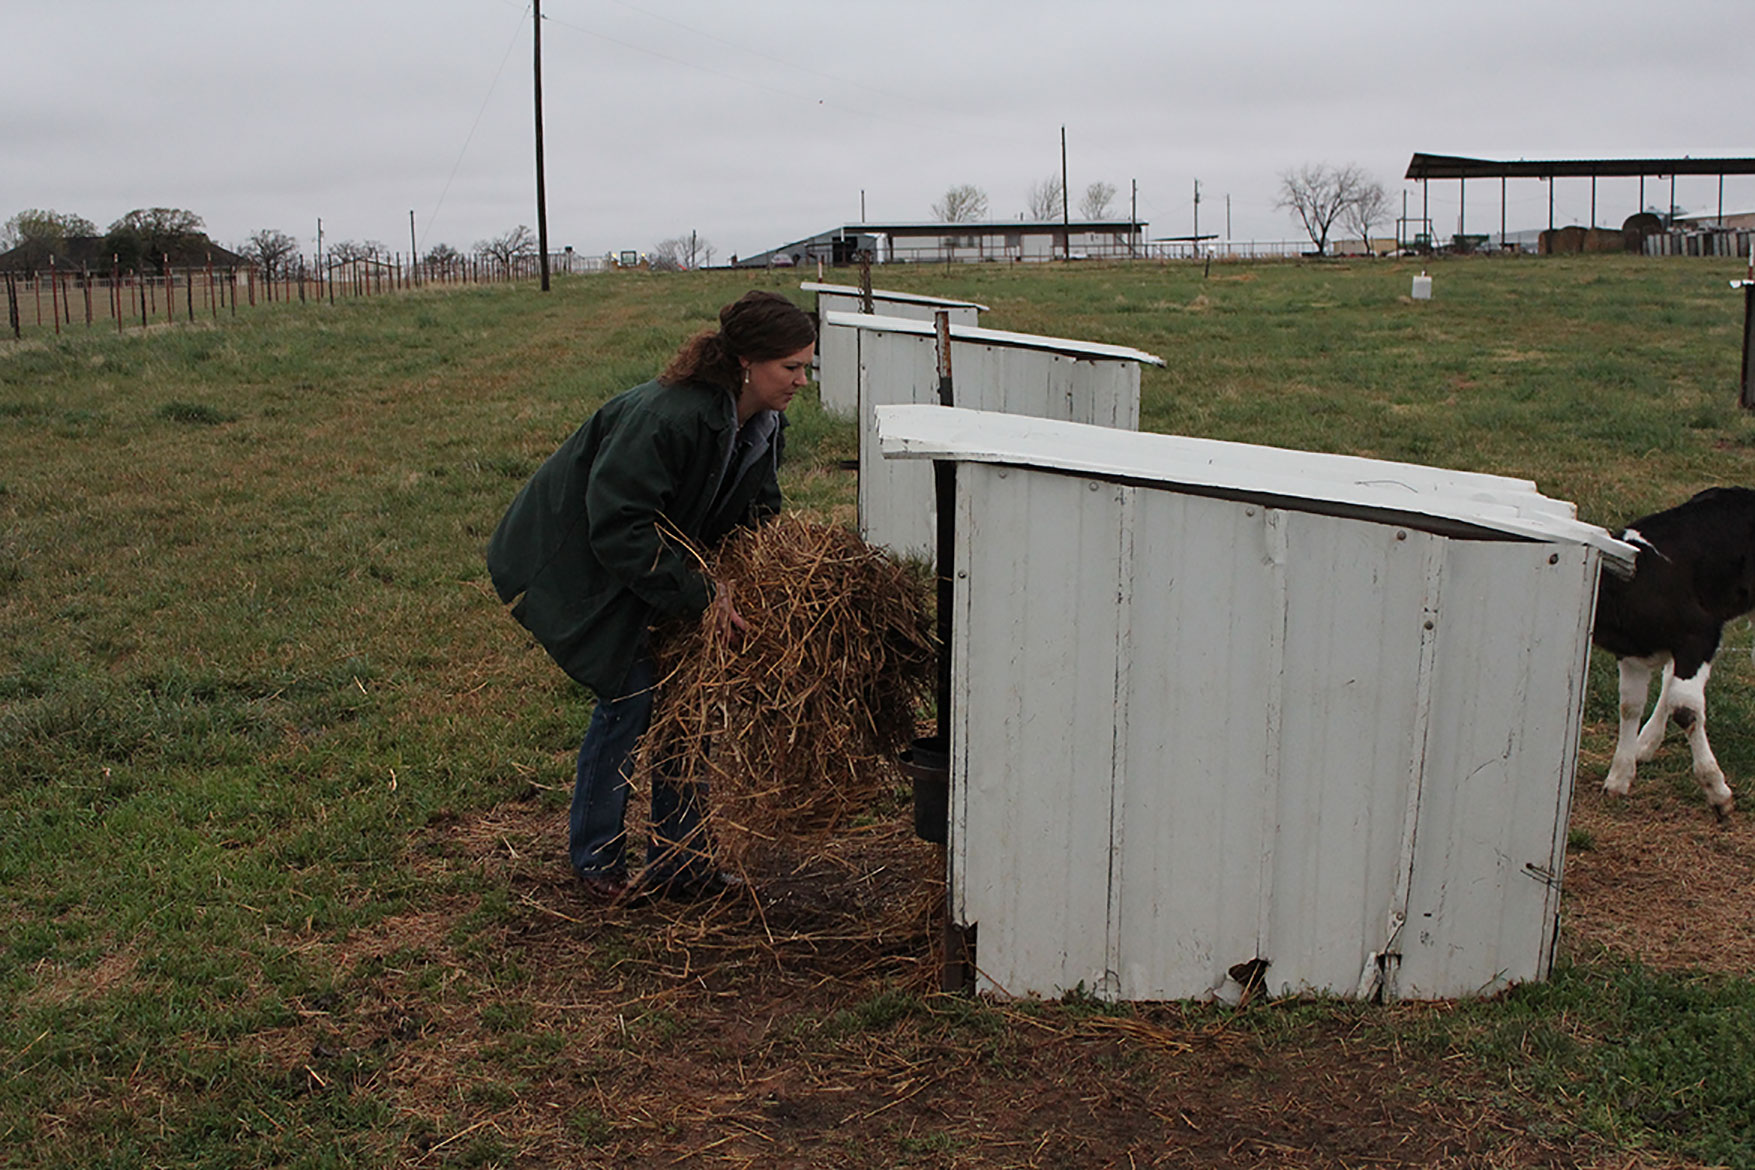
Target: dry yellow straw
column 796, row 725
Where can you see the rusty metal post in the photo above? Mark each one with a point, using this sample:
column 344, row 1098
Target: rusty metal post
column 1746, row 396
column 958, row 972
column 54, row 296
column 12, row 306
column 1746, row 382
column 866, row 304
column 958, row 975
column 945, row 494
column 941, row 320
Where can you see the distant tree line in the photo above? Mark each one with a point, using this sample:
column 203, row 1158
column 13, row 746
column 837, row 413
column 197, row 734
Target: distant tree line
column 1044, row 202
column 143, row 238
column 1320, row 196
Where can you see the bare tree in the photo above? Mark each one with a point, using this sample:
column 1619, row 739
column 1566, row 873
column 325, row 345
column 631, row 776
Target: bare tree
column 681, row 252
column 1046, row 199
column 1318, row 194
column 1095, row 204
column 443, row 258
column 670, row 255
column 1370, row 205
column 346, row 251
column 509, row 247
column 961, row 204
column 271, row 249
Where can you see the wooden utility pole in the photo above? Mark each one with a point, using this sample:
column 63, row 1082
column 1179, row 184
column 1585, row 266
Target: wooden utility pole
column 413, row 251
column 1065, row 217
column 1133, row 221
column 541, row 190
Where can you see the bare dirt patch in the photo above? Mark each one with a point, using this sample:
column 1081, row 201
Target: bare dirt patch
column 1656, row 877
column 526, row 1026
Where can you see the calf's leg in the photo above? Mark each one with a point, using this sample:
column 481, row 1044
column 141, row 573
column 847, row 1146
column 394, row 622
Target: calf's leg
column 1688, row 708
column 1651, row 736
column 1635, row 685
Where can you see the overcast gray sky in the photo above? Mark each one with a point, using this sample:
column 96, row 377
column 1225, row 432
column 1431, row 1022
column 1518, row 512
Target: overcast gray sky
column 760, row 122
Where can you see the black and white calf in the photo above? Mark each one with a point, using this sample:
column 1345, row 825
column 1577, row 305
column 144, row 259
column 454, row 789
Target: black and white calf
column 1695, row 572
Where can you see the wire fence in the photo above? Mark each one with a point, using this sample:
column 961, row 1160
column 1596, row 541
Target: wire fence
column 53, row 300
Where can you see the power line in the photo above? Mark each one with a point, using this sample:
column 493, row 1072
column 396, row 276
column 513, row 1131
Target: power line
column 791, row 65
column 507, row 56
column 733, row 77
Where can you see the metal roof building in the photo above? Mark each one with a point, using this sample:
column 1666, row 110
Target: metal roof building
column 932, row 241
column 1423, row 168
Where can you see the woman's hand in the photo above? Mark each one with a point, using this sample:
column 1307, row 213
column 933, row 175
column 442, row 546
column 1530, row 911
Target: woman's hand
column 726, row 621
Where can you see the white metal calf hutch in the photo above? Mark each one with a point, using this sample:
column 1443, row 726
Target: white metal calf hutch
column 838, row 348
column 1217, row 707
column 992, row 370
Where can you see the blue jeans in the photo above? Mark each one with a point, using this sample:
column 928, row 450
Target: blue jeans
column 597, row 838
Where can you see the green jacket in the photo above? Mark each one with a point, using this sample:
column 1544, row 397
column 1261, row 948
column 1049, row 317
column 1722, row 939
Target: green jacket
column 583, row 543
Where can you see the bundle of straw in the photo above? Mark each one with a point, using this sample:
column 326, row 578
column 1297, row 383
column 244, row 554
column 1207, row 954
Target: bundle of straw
column 796, row 725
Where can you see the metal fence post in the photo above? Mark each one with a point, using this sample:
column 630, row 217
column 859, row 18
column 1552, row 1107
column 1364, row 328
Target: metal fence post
column 1746, row 392
column 1746, row 380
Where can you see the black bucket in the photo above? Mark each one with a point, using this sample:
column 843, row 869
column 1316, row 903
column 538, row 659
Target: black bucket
column 928, row 764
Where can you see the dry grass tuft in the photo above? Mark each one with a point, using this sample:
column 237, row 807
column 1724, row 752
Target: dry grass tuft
column 795, row 726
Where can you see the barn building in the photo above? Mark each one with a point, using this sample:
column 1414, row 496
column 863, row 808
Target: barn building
column 937, row 242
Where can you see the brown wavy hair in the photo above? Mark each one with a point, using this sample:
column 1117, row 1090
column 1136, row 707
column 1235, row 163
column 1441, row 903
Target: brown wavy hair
column 760, row 326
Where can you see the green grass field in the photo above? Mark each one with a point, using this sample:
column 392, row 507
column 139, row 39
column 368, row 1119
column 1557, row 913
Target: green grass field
column 249, row 659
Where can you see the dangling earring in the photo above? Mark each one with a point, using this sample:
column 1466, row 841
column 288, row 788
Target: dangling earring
column 746, row 375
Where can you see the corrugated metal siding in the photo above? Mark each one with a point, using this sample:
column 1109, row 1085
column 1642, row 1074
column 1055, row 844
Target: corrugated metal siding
column 896, row 505
column 1224, row 731
column 1277, row 703
column 1201, row 736
column 838, row 345
column 1032, row 822
column 1507, row 698
column 896, row 502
